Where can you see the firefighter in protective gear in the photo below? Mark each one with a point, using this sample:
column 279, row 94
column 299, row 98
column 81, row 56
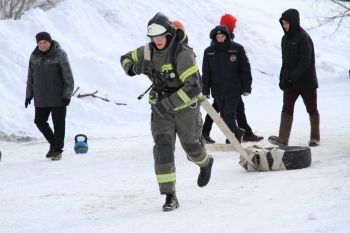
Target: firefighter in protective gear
column 175, row 103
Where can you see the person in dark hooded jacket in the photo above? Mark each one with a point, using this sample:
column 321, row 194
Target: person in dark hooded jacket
column 230, row 22
column 226, row 75
column 297, row 77
column 50, row 82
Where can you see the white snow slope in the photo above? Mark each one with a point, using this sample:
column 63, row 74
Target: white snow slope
column 113, row 187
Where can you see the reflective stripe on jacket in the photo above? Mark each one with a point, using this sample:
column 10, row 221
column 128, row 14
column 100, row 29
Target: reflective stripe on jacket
column 185, row 86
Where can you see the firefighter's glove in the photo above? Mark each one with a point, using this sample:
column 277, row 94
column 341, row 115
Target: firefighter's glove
column 143, row 67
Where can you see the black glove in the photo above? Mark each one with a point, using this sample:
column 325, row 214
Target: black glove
column 281, row 86
column 66, row 101
column 28, row 100
column 143, row 67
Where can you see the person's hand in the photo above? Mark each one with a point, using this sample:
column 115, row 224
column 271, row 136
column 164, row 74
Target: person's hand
column 27, row 101
column 281, row 86
column 246, row 93
column 66, row 101
column 143, row 67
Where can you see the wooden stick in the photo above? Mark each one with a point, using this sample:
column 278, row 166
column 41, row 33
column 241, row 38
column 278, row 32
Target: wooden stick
column 225, row 130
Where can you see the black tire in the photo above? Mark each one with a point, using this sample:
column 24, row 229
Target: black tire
column 294, row 157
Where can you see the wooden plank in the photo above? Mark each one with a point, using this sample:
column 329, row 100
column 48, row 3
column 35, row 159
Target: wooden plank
column 225, row 130
column 220, row 147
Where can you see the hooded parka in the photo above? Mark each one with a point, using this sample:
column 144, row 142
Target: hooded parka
column 298, row 57
column 226, row 68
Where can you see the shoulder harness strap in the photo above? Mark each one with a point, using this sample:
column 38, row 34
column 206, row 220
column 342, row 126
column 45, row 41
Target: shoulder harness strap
column 175, row 50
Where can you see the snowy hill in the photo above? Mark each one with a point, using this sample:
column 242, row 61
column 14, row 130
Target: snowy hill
column 113, row 188
column 96, row 33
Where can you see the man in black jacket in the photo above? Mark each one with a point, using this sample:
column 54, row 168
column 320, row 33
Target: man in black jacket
column 297, row 77
column 50, row 82
column 227, row 74
column 230, row 22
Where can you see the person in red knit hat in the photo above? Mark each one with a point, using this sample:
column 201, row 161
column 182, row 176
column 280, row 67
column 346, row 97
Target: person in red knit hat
column 180, row 31
column 230, row 21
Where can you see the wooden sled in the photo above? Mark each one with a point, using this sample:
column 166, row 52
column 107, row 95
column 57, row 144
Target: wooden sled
column 255, row 158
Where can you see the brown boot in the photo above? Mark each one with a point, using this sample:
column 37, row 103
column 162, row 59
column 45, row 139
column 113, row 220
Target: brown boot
column 49, row 154
column 208, row 139
column 315, row 130
column 285, row 127
column 56, row 155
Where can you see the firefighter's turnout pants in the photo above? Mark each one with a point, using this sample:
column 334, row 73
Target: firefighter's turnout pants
column 187, row 124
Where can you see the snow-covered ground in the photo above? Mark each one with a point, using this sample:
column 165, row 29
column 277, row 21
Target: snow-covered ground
column 113, row 187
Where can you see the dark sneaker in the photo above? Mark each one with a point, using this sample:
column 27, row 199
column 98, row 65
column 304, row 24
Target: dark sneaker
column 171, row 203
column 56, row 155
column 277, row 141
column 49, row 154
column 205, row 173
column 208, row 139
column 252, row 138
column 313, row 143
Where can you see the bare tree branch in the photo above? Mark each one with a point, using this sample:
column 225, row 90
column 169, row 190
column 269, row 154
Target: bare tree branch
column 93, row 94
column 339, row 17
column 14, row 9
column 88, row 94
column 340, row 4
column 20, row 10
column 76, row 90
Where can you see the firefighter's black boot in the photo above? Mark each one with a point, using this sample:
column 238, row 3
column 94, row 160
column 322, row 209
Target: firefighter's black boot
column 171, row 202
column 205, row 173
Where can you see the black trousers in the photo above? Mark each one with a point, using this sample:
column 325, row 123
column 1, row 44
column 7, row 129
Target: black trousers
column 58, row 115
column 240, row 117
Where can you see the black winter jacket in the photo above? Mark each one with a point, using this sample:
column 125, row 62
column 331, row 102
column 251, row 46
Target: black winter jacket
column 298, row 58
column 50, row 78
column 226, row 68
